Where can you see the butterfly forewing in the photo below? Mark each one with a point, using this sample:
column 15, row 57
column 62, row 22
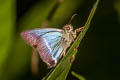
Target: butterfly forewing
column 48, row 43
column 30, row 36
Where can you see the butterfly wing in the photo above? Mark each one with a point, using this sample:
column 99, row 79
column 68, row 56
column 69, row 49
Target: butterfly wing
column 31, row 36
column 48, row 43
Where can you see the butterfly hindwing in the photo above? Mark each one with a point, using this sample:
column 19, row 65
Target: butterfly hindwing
column 52, row 46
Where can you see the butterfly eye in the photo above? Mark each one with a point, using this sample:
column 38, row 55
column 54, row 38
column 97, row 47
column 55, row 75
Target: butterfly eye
column 68, row 28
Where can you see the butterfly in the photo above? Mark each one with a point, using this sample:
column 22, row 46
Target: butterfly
column 50, row 43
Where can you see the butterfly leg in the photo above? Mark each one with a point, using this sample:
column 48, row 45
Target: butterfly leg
column 78, row 30
column 64, row 52
column 65, row 48
column 73, row 56
column 72, row 37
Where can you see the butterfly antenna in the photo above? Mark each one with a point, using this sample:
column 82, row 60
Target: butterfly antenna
column 73, row 16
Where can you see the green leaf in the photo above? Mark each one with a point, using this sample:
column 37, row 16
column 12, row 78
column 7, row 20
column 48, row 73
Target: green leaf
column 64, row 74
column 78, row 76
column 62, row 65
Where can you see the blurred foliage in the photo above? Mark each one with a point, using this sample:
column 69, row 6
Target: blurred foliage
column 117, row 7
column 37, row 15
column 99, row 50
column 64, row 11
column 7, row 22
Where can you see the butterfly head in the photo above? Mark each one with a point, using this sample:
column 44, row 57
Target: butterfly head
column 68, row 28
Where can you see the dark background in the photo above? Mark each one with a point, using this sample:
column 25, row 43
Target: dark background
column 98, row 55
